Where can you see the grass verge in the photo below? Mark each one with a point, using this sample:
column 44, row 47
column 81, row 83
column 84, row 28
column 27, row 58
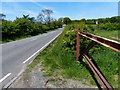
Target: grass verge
column 60, row 62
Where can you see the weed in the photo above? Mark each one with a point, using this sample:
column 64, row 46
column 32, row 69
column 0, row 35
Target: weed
column 51, row 80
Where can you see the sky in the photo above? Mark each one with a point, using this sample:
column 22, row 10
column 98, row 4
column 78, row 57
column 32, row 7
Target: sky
column 60, row 0
column 74, row 10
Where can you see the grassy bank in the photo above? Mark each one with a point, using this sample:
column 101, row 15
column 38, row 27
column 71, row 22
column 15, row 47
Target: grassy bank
column 59, row 58
column 59, row 61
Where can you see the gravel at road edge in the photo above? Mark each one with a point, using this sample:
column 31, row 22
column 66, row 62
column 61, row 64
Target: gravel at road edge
column 34, row 78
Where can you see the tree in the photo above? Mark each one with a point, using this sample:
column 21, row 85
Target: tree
column 67, row 20
column 40, row 18
column 8, row 29
column 31, row 19
column 83, row 20
column 101, row 20
column 48, row 13
column 2, row 16
column 61, row 19
column 45, row 16
column 25, row 16
column 23, row 26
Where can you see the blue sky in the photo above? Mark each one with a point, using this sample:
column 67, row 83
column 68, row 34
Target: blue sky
column 74, row 10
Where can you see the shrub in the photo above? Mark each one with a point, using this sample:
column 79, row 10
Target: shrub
column 67, row 20
column 70, row 36
column 37, row 29
column 8, row 29
column 109, row 26
column 23, row 26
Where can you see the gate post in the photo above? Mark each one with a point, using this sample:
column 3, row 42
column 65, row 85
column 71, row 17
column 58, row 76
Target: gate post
column 77, row 45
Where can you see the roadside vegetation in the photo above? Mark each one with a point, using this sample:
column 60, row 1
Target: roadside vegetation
column 59, row 57
column 21, row 28
column 27, row 26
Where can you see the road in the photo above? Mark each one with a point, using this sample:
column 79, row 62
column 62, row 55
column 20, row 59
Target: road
column 18, row 54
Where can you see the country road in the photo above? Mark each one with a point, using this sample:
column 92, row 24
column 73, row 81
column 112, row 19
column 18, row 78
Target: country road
column 18, row 54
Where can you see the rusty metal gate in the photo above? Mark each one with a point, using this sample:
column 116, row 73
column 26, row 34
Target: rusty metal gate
column 95, row 39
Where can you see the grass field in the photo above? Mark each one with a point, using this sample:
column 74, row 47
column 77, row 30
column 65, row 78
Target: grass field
column 114, row 35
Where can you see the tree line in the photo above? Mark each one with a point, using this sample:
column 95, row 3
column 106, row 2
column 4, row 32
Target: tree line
column 29, row 26
column 112, row 23
column 115, row 19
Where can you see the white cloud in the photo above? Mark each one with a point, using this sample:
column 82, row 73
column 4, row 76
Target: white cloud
column 38, row 4
column 55, row 14
column 43, row 6
column 19, row 11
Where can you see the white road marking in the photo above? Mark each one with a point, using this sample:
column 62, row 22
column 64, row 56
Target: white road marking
column 5, row 77
column 41, row 48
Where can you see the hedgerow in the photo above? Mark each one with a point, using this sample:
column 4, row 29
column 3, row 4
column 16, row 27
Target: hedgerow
column 23, row 27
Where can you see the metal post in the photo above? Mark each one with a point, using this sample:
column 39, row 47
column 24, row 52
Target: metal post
column 77, row 45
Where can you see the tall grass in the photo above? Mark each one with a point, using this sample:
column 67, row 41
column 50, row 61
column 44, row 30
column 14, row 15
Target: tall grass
column 57, row 58
column 107, row 62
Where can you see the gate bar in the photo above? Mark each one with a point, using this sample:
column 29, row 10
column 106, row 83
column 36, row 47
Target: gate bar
column 106, row 42
column 100, row 77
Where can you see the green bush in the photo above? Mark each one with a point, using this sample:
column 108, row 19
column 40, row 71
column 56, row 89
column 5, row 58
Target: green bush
column 70, row 36
column 8, row 29
column 22, row 27
column 37, row 29
column 109, row 26
column 59, row 24
column 67, row 20
column 56, row 24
